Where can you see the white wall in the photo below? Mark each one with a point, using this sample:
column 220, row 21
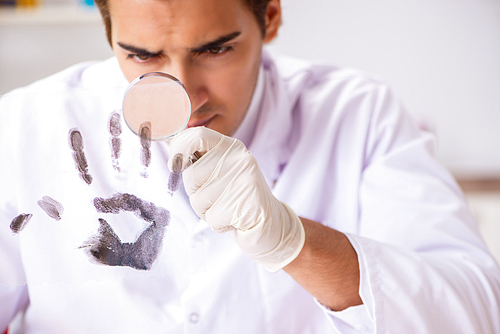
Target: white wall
column 36, row 44
column 442, row 57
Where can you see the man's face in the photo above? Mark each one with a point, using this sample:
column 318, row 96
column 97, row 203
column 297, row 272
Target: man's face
column 212, row 46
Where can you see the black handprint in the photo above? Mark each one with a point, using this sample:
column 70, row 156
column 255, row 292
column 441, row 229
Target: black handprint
column 106, row 247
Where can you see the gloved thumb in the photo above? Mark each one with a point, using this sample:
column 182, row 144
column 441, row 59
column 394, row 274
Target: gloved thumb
column 184, row 145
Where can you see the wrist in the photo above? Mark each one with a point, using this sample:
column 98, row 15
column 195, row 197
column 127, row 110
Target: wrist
column 274, row 242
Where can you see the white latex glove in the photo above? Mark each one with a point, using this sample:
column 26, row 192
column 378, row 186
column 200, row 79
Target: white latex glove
column 227, row 190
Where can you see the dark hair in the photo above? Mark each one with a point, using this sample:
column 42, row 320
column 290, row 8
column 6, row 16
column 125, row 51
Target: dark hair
column 258, row 8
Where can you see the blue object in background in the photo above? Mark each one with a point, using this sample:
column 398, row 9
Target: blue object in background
column 7, row 3
column 89, row 3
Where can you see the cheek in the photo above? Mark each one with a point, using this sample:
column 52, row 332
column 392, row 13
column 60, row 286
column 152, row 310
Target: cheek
column 237, row 78
column 230, row 88
column 128, row 71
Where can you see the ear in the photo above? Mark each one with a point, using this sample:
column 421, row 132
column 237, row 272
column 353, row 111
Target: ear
column 273, row 20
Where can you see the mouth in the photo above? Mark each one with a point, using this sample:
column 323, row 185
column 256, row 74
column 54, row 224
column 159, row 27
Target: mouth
column 200, row 122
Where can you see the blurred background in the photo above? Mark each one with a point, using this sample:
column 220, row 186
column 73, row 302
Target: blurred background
column 441, row 57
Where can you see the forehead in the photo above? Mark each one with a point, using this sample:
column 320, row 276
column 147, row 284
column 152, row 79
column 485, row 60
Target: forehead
column 188, row 22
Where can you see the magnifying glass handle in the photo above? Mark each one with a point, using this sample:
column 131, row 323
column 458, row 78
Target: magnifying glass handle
column 195, row 157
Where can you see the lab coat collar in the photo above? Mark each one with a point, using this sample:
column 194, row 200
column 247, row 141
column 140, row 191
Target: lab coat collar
column 274, row 122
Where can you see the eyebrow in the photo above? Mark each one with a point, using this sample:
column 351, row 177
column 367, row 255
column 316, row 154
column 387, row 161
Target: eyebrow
column 140, row 51
column 199, row 49
column 216, row 43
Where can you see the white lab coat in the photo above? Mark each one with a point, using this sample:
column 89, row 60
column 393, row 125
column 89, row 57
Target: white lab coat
column 333, row 143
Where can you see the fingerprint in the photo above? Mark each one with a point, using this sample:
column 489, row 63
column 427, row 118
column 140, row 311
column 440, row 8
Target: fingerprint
column 51, row 207
column 19, row 222
column 174, row 179
column 145, row 135
column 76, row 144
column 115, row 143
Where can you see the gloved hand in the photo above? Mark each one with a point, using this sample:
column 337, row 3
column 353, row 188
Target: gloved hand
column 227, row 190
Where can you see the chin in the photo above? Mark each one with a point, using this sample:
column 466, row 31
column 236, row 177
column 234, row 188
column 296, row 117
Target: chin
column 217, row 127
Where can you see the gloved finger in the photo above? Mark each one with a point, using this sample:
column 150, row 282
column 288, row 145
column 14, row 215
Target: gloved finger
column 236, row 174
column 233, row 206
column 210, row 165
column 209, row 193
column 189, row 141
column 209, row 177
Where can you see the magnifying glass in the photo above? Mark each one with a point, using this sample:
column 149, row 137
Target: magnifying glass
column 156, row 105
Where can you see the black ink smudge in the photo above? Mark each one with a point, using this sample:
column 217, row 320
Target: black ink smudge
column 147, row 211
column 76, row 143
column 174, row 180
column 115, row 129
column 177, row 163
column 19, row 222
column 116, row 144
column 106, row 246
column 51, row 207
column 145, row 135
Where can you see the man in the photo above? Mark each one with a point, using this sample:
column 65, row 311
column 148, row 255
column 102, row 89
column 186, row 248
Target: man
column 346, row 224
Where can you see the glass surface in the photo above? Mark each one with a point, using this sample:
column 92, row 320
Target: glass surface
column 157, row 104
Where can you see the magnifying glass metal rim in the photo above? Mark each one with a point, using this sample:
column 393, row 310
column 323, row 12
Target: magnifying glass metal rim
column 157, row 74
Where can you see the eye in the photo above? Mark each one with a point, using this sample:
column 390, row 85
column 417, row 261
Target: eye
column 140, row 57
column 218, row 50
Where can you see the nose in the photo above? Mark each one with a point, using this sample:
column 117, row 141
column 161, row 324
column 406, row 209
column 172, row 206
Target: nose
column 194, row 82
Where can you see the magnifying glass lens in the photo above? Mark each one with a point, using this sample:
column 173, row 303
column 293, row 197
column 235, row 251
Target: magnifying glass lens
column 158, row 100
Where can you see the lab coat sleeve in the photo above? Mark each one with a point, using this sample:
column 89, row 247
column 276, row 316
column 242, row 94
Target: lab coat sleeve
column 13, row 291
column 424, row 267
